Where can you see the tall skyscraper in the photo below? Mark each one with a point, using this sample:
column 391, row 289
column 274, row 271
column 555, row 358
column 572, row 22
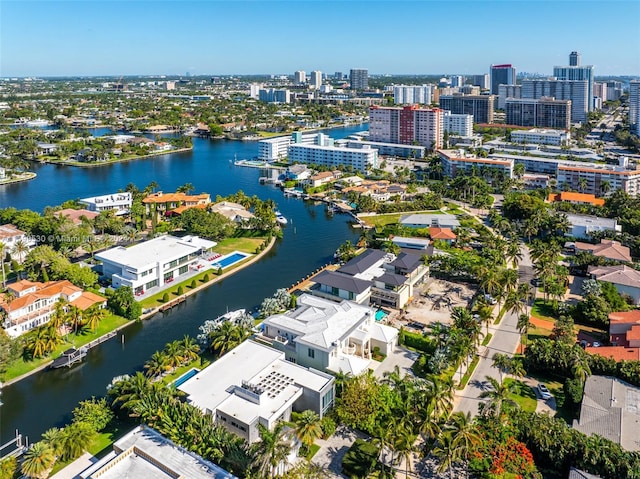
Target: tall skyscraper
column 542, row 113
column 359, row 79
column 574, row 90
column 407, row 125
column 299, row 77
column 508, row 91
column 315, row 79
column 407, row 95
column 502, row 75
column 577, row 72
column 634, row 106
column 574, row 59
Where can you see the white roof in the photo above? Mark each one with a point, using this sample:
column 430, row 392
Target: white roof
column 321, row 322
column 160, row 249
column 110, row 198
column 584, row 220
column 383, row 333
column 352, row 365
column 258, row 365
column 408, row 240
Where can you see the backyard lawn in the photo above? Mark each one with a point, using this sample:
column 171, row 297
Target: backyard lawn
column 84, row 336
column 543, row 311
column 246, row 245
column 391, row 218
column 525, row 396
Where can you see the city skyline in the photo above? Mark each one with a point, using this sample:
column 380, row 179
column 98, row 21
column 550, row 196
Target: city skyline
column 56, row 38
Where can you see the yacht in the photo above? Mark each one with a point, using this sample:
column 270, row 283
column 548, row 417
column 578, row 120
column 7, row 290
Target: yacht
column 280, row 218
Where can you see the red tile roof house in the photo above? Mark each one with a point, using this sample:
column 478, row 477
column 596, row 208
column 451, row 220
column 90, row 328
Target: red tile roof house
column 442, row 234
column 624, row 328
column 608, row 249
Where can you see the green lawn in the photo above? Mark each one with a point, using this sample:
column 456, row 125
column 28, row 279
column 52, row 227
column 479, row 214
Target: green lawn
column 542, row 311
column 486, row 339
column 20, row 366
column 467, row 375
column 537, row 333
column 312, row 451
column 156, row 299
column 525, row 396
column 246, row 245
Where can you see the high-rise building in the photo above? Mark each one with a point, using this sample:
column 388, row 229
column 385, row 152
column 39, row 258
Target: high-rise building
column 541, row 113
column 574, row 59
column 457, row 80
column 460, row 125
column 299, row 77
column 407, row 125
column 502, row 75
column 410, row 94
column 634, row 106
column 315, row 79
column 271, row 95
column 614, row 90
column 480, row 106
column 338, row 76
column 508, row 91
column 578, row 73
column 480, row 80
column 600, row 90
column 359, row 79
column 575, row 90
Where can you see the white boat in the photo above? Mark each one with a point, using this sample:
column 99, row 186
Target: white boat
column 230, row 316
column 38, row 123
column 280, row 218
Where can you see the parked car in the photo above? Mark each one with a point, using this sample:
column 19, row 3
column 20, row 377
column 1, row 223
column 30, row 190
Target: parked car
column 544, row 392
column 596, row 344
column 490, row 299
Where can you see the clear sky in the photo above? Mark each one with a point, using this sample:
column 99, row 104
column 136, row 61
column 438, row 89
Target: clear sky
column 118, row 37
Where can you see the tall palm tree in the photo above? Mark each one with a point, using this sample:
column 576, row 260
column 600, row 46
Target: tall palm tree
column 3, row 253
column 446, row 453
column 226, row 337
column 76, row 439
column 404, row 445
column 271, row 451
column 158, row 364
column 580, row 365
column 524, row 321
column 38, row 461
column 189, row 348
column 93, row 316
column 498, row 396
column 464, row 433
column 20, row 250
column 74, row 317
column 307, row 428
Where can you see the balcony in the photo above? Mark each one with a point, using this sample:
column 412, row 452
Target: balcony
column 350, row 349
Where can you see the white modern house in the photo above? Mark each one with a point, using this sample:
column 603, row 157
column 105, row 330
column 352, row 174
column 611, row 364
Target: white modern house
column 428, row 220
column 152, row 263
column 323, row 334
column 120, row 202
column 254, row 384
column 583, row 225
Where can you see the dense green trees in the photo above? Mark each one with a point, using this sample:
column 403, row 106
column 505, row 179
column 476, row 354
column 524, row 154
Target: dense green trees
column 123, row 303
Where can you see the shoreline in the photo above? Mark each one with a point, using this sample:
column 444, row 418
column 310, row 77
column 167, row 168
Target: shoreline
column 30, row 176
column 79, row 164
column 156, row 310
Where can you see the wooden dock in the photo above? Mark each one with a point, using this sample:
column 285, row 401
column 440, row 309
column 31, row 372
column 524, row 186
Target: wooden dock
column 172, row 303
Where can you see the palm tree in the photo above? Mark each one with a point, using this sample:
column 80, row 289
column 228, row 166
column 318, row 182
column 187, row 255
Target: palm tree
column 226, row 337
column 186, row 188
column 605, row 187
column 38, row 461
column 308, row 428
column 498, row 396
column 3, row 253
column 524, row 321
column 157, row 365
column 464, row 434
column 37, row 342
column 272, row 449
column 189, row 349
column 74, row 317
column 501, row 362
column 20, row 250
column 582, row 184
column 76, row 439
column 580, row 365
column 93, row 316
column 446, row 453
column 404, row 446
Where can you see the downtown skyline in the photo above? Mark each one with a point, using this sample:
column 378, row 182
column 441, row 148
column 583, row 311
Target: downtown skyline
column 100, row 38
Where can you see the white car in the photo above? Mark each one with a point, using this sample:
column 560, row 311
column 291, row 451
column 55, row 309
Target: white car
column 490, row 299
column 544, row 392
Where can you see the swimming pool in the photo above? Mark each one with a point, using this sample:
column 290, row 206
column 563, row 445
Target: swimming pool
column 380, row 315
column 185, row 377
column 230, row 259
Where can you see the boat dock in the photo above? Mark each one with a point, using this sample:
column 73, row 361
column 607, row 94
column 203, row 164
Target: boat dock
column 74, row 355
column 172, row 303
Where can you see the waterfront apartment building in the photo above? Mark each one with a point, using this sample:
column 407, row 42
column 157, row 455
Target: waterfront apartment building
column 481, row 81
column 272, row 95
column 152, row 263
column 327, row 154
column 480, row 106
column 541, row 113
column 120, row 202
column 614, row 90
column 277, row 148
column 299, row 77
column 540, row 137
column 579, row 73
column 575, row 90
column 634, row 106
column 456, row 162
column 407, row 125
column 458, row 124
column 391, row 149
column 508, row 91
column 502, row 75
column 412, row 94
column 359, row 79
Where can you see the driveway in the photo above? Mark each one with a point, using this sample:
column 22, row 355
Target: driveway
column 331, row 452
column 401, row 357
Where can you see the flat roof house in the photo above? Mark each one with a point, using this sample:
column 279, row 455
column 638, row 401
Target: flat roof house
column 254, row 384
column 152, row 263
column 323, row 334
column 583, row 225
column 145, row 453
column 120, row 202
column 427, row 221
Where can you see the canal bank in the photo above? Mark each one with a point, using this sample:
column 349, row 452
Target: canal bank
column 46, row 399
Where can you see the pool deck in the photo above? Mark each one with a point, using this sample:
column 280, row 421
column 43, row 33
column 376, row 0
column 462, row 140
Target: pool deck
column 216, row 263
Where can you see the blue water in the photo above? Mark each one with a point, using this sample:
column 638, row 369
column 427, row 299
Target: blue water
column 380, row 315
column 229, row 260
column 47, row 398
column 185, row 377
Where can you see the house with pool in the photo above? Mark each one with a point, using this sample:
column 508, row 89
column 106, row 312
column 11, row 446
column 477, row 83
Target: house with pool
column 153, row 263
column 326, row 335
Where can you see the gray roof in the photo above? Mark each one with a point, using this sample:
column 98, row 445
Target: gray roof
column 611, row 409
column 362, row 262
column 619, row 274
column 407, row 261
column 585, row 220
column 431, row 220
column 342, row 281
column 578, row 474
column 392, row 278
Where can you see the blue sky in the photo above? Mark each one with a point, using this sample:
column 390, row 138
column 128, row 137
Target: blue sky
column 118, row 37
